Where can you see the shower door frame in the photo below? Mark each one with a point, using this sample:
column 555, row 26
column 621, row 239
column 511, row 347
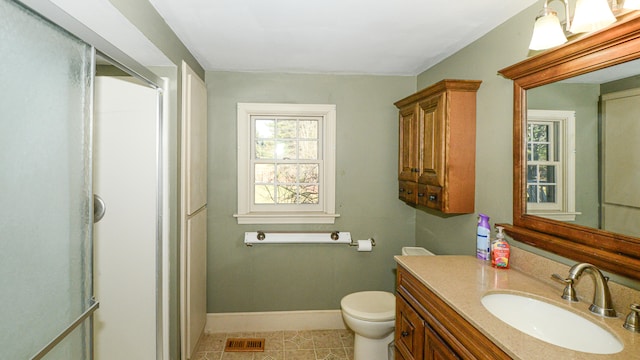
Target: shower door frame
column 124, row 62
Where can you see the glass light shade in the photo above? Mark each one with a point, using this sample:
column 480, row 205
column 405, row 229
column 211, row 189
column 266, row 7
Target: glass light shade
column 631, row 4
column 547, row 32
column 591, row 15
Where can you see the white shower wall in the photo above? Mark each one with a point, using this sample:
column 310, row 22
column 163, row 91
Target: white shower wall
column 125, row 176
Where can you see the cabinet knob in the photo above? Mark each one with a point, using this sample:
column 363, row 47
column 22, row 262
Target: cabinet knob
column 401, row 189
column 409, row 192
column 404, row 333
column 433, row 197
column 420, row 194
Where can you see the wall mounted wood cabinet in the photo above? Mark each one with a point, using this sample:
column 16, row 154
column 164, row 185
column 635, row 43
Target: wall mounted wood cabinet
column 436, row 162
column 429, row 329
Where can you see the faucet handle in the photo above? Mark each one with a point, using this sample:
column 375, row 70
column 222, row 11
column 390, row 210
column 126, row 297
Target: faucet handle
column 569, row 292
column 632, row 323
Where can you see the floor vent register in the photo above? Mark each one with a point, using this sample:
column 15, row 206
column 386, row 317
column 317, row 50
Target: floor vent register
column 244, row 345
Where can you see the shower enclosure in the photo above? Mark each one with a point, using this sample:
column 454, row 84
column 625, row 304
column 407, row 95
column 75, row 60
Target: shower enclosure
column 45, row 198
column 49, row 266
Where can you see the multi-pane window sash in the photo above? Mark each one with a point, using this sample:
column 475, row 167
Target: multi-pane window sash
column 286, row 163
column 287, row 160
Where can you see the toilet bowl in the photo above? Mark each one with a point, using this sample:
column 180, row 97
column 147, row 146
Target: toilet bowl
column 371, row 316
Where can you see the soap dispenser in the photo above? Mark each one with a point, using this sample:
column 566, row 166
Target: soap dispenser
column 500, row 250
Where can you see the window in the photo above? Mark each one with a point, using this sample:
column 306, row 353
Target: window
column 551, row 164
column 286, row 163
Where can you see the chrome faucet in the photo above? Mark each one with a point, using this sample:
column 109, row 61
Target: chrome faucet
column 602, row 304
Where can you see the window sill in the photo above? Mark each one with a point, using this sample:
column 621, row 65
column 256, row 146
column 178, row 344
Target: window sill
column 286, row 218
column 560, row 216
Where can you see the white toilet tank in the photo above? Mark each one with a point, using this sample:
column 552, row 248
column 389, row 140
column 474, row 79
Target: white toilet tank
column 411, row 251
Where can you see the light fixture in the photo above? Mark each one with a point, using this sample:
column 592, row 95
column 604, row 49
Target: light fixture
column 631, row 4
column 591, row 15
column 547, row 31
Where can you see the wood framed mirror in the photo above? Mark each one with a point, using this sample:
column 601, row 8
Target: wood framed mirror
column 611, row 48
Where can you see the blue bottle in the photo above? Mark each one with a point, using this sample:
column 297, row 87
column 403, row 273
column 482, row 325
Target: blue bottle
column 483, row 250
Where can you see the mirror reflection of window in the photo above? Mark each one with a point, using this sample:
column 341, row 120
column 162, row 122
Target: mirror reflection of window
column 551, row 164
column 543, row 160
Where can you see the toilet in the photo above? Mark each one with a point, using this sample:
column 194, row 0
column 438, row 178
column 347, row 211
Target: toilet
column 371, row 315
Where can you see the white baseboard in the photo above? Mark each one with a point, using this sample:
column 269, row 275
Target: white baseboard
column 274, row 321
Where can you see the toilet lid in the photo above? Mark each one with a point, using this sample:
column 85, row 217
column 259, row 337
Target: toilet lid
column 370, row 305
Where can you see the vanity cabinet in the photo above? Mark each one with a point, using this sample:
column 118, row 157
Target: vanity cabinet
column 437, row 146
column 428, row 329
column 415, row 338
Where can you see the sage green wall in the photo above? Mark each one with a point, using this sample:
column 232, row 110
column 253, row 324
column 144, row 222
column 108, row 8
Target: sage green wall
column 315, row 276
column 583, row 99
column 481, row 60
column 632, row 82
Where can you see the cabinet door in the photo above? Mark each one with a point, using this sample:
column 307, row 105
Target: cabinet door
column 398, row 355
column 409, row 337
column 435, row 348
column 194, row 136
column 195, row 294
column 408, row 156
column 431, row 128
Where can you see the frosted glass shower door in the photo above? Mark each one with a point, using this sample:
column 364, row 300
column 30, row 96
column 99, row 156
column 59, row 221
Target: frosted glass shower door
column 45, row 188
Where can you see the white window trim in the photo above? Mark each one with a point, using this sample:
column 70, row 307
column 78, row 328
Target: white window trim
column 567, row 120
column 245, row 215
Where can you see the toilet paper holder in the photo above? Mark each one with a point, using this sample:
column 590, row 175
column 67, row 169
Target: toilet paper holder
column 355, row 243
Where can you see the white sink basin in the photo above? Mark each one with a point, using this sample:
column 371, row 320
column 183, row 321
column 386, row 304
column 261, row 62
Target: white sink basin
column 551, row 323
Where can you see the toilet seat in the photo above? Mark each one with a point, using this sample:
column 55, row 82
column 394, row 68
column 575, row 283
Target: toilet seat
column 370, row 305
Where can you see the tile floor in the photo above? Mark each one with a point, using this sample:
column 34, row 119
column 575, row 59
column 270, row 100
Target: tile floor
column 282, row 345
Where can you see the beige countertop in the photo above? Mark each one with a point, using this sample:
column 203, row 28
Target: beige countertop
column 462, row 281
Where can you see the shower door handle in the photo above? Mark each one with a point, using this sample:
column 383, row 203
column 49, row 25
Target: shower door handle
column 89, row 312
column 99, row 208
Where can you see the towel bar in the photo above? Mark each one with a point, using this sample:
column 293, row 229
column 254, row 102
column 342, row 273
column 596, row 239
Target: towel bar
column 297, row 237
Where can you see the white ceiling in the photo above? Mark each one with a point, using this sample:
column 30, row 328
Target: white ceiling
column 383, row 37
